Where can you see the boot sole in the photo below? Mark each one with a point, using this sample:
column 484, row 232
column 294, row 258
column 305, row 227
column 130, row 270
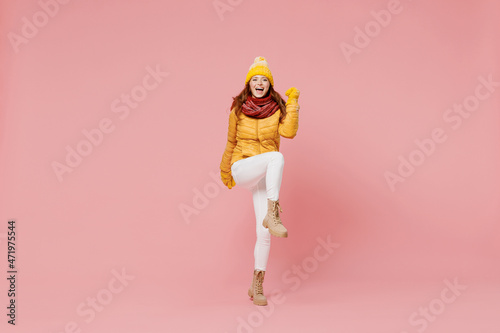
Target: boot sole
column 261, row 304
column 274, row 233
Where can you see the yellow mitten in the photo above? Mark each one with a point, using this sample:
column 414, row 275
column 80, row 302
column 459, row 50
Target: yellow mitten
column 293, row 93
column 227, row 179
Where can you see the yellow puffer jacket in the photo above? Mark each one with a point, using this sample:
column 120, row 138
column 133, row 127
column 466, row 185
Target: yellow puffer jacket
column 249, row 136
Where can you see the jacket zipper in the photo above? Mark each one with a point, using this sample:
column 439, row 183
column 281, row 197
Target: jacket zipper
column 257, row 130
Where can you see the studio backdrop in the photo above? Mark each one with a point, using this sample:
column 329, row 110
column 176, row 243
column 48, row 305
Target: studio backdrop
column 113, row 121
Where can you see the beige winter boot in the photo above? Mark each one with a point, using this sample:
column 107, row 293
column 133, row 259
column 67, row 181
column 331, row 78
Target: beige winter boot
column 272, row 220
column 256, row 291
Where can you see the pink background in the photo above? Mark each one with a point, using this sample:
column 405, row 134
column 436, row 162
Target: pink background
column 121, row 207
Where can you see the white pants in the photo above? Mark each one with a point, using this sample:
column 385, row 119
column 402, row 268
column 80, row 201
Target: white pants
column 261, row 174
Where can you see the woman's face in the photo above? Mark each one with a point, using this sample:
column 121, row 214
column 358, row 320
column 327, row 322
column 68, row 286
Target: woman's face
column 259, row 85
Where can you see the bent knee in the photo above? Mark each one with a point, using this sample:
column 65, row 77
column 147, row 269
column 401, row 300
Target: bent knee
column 277, row 157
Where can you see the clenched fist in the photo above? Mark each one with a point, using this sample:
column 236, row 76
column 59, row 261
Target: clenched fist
column 227, row 179
column 293, row 93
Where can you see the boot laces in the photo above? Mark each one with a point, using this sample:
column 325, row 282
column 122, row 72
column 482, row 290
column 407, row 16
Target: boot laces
column 259, row 279
column 276, row 212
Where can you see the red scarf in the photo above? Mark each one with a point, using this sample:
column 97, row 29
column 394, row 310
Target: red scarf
column 259, row 107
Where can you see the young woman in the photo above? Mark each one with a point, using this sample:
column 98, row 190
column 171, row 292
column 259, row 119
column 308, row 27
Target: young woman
column 259, row 116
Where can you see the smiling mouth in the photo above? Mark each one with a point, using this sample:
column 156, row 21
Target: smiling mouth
column 259, row 89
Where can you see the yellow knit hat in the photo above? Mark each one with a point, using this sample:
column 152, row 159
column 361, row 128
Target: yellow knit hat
column 260, row 67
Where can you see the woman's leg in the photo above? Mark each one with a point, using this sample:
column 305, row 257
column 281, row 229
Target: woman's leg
column 263, row 243
column 262, row 174
column 249, row 171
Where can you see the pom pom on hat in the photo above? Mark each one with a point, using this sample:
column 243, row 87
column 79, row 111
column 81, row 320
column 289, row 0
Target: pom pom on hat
column 260, row 67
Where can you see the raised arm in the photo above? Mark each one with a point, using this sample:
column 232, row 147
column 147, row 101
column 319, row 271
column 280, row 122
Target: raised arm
column 288, row 129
